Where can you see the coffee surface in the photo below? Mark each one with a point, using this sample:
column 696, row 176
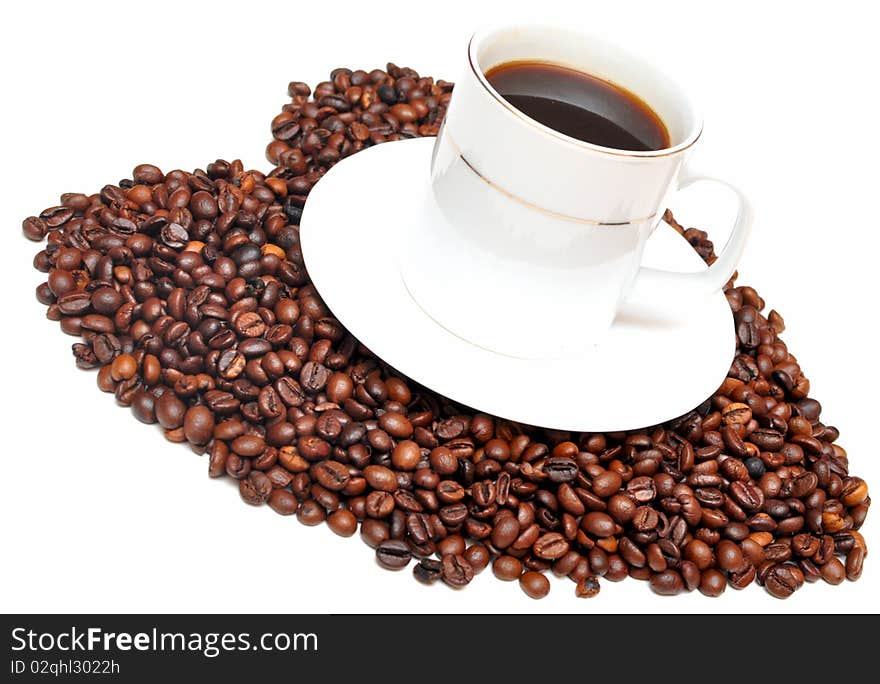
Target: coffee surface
column 580, row 105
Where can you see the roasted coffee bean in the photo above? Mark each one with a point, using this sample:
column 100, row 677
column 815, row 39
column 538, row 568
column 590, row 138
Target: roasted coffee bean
column 507, row 568
column 736, row 414
column 781, row 581
column 747, row 495
column 742, row 576
column 35, row 228
column 248, row 445
column 588, row 587
column 855, row 491
column 483, row 493
column 381, row 478
column 790, row 525
column 825, row 552
column 231, row 364
column 256, row 488
column 443, row 462
column 834, row 572
column 419, row 527
column 406, row 455
column 631, row 553
column 801, row 486
column 655, row 558
column 777, row 553
column 314, row 377
column 198, row 424
column 343, row 522
column 607, row 484
column 57, row 216
column 478, row 556
column 598, row 524
column 428, row 570
column 170, row 411
column 534, row 584
column 479, row 529
column 810, row 571
column 645, row 519
column 712, row 582
column 283, row 502
column 804, row 545
column 641, row 489
column 755, row 467
column 854, row 561
column 505, row 532
column 454, row 544
column 73, row 303
column 617, row 569
column 332, row 475
column 766, row 440
column 457, row 571
column 667, row 583
column 527, row 536
column 622, row 508
column 405, row 501
column 449, row 491
column 560, row 469
column 453, row 514
column 393, row 554
column 396, row 425
column 550, row 546
column 374, row 532
column 236, row 466
column 700, row 554
column 379, row 504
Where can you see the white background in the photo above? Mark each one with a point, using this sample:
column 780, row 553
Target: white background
column 99, row 513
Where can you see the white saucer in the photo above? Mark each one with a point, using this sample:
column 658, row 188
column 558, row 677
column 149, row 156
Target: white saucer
column 643, row 373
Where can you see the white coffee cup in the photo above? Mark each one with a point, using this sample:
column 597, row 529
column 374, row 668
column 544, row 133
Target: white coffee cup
column 532, row 240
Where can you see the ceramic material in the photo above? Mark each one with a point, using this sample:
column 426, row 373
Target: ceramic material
column 543, row 227
column 643, row 371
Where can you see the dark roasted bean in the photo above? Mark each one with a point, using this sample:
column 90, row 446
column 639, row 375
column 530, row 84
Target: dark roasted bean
column 457, row 571
column 505, row 532
column 781, row 581
column 342, row 522
column 598, row 524
column 742, row 577
column 428, row 571
column 283, row 502
column 393, row 554
column 667, row 583
column 550, row 546
column 712, row 582
column 534, row 584
column 588, row 587
column 507, row 568
column 256, row 488
column 331, row 475
column 854, row 560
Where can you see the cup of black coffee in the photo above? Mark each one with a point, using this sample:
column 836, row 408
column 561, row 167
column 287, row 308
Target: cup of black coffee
column 554, row 165
column 580, row 105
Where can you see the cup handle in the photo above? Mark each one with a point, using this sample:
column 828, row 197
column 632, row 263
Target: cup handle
column 662, row 289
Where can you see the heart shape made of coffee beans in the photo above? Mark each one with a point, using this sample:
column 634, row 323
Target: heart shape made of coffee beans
column 191, row 298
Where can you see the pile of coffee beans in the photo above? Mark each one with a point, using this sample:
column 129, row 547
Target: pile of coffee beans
column 190, row 296
column 351, row 111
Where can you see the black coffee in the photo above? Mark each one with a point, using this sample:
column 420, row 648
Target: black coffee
column 580, row 106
